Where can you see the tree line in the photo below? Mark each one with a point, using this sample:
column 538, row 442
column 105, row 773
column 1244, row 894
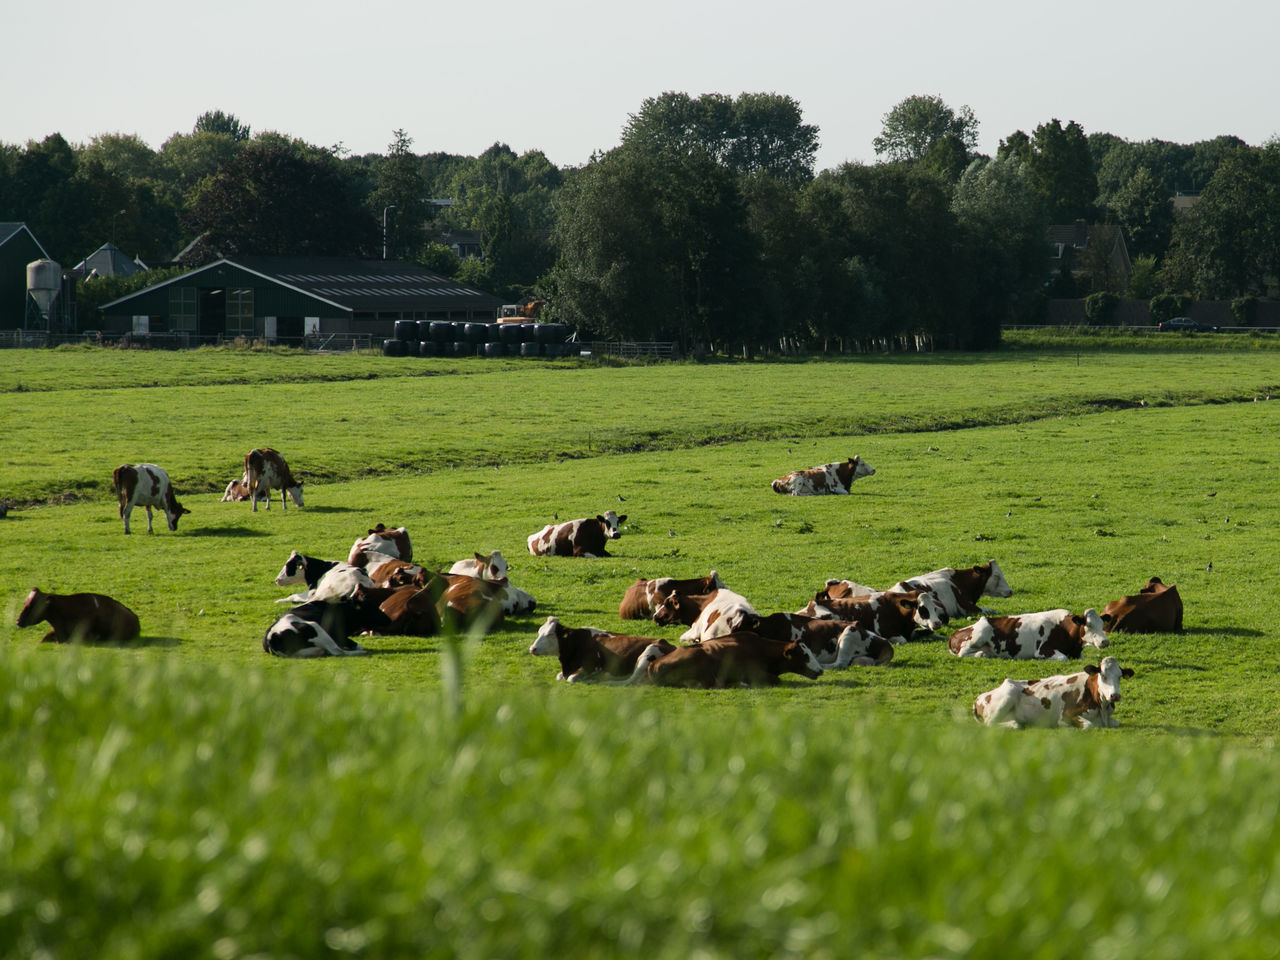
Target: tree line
column 707, row 224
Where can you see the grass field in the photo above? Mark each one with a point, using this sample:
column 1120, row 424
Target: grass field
column 191, row 796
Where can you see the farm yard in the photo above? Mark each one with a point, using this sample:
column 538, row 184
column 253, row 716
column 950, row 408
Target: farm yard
column 187, row 794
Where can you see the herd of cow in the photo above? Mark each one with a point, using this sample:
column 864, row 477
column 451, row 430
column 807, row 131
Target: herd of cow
column 379, row 590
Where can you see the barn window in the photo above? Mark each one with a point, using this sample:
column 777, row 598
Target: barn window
column 240, row 311
column 182, row 308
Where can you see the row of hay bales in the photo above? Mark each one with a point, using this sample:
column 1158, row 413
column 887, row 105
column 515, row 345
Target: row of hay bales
column 453, row 338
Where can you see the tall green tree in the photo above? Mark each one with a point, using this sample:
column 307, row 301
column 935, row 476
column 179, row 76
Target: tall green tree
column 756, row 132
column 215, row 121
column 275, row 198
column 1143, row 208
column 400, row 184
column 1061, row 166
column 924, row 129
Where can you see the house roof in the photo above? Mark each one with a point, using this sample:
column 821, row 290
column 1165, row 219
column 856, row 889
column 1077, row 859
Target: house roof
column 10, row 229
column 110, row 261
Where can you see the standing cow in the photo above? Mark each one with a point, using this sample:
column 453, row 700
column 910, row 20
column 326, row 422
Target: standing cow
column 146, row 485
column 264, row 471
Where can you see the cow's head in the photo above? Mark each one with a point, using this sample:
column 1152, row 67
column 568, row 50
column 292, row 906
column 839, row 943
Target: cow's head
column 668, row 611
column 293, row 571
column 493, row 566
column 861, row 468
column 930, row 613
column 609, row 523
column 173, row 516
column 295, row 493
column 34, row 609
column 547, row 643
column 1109, row 674
column 800, row 659
column 1094, row 629
column 996, row 585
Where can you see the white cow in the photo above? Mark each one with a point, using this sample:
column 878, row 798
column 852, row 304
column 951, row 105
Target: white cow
column 1084, row 699
column 1048, row 635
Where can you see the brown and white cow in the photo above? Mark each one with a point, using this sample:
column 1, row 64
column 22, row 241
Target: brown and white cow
column 892, row 614
column 238, row 491
column 959, row 590
column 492, row 568
column 836, row 643
column 264, row 471
column 707, row 615
column 380, row 543
column 738, row 659
column 834, row 478
column 643, row 596
column 928, row 613
column 80, row 617
column 1084, row 699
column 471, row 603
column 1156, row 608
column 577, row 538
column 586, row 653
column 1048, row 635
column 146, row 485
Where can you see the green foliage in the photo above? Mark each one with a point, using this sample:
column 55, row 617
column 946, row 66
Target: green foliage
column 1144, row 278
column 925, row 128
column 92, row 294
column 228, row 124
column 400, row 184
column 1100, row 308
column 1244, row 311
column 1167, row 305
column 440, row 259
column 1061, row 166
column 1143, row 208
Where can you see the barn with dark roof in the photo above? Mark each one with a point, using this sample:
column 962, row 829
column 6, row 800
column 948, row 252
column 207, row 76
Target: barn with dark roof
column 283, row 299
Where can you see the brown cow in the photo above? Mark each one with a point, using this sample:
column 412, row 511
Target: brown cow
column 836, row 643
column 264, row 471
column 643, row 596
column 77, row 617
column 146, row 485
column 1156, row 608
column 585, row 652
column 738, row 659
column 380, row 543
column 892, row 615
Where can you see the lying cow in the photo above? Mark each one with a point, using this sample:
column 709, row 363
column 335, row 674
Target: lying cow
column 238, row 491
column 324, row 579
column 1156, row 608
column 394, row 573
column 492, row 568
column 834, row 478
column 586, row 653
column 836, row 643
column 706, row 615
column 643, row 596
column 380, row 543
column 577, row 538
column 738, row 659
column 264, row 471
column 331, row 625
column 412, row 609
column 959, row 590
column 1050, row 635
column 146, row 485
column 894, row 615
column 1084, row 699
column 80, row 617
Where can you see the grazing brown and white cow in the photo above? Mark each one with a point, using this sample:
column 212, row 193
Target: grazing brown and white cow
column 836, row 643
column 1156, row 608
column 738, row 659
column 1048, row 635
column 146, row 485
column 380, row 543
column 264, row 471
column 586, row 653
column 643, row 596
column 959, row 590
column 829, row 478
column 1084, row 699
column 80, row 617
column 706, row 615
column 577, row 538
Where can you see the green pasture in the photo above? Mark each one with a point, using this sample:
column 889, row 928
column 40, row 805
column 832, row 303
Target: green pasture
column 190, row 796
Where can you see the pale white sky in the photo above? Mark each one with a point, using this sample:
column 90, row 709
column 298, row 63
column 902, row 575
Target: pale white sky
column 563, row 75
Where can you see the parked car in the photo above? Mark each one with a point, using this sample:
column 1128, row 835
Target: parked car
column 1183, row 323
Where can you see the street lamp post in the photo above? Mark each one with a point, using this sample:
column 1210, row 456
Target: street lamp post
column 113, row 226
column 389, row 206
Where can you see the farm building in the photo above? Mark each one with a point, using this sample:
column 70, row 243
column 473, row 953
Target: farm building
column 284, row 299
column 18, row 247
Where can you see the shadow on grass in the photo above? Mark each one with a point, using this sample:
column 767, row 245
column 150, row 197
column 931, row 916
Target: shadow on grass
column 152, row 642
column 332, row 510
column 390, row 653
column 227, row 532
column 1215, row 632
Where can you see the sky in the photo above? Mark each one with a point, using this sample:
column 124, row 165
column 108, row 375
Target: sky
column 563, row 76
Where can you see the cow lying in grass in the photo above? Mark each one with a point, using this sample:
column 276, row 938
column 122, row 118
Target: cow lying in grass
column 80, row 617
column 829, row 478
column 587, row 653
column 1084, row 699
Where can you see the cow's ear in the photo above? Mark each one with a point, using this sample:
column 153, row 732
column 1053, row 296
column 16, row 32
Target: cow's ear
column 184, row 510
column 1107, row 618
column 602, row 519
column 623, row 518
column 1078, row 620
column 1127, row 672
column 480, row 558
column 1090, row 668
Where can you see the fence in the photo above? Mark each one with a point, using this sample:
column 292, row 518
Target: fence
column 329, row 343
column 628, row 349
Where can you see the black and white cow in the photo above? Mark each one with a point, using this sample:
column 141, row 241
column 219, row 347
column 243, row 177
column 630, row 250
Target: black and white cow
column 325, row 579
